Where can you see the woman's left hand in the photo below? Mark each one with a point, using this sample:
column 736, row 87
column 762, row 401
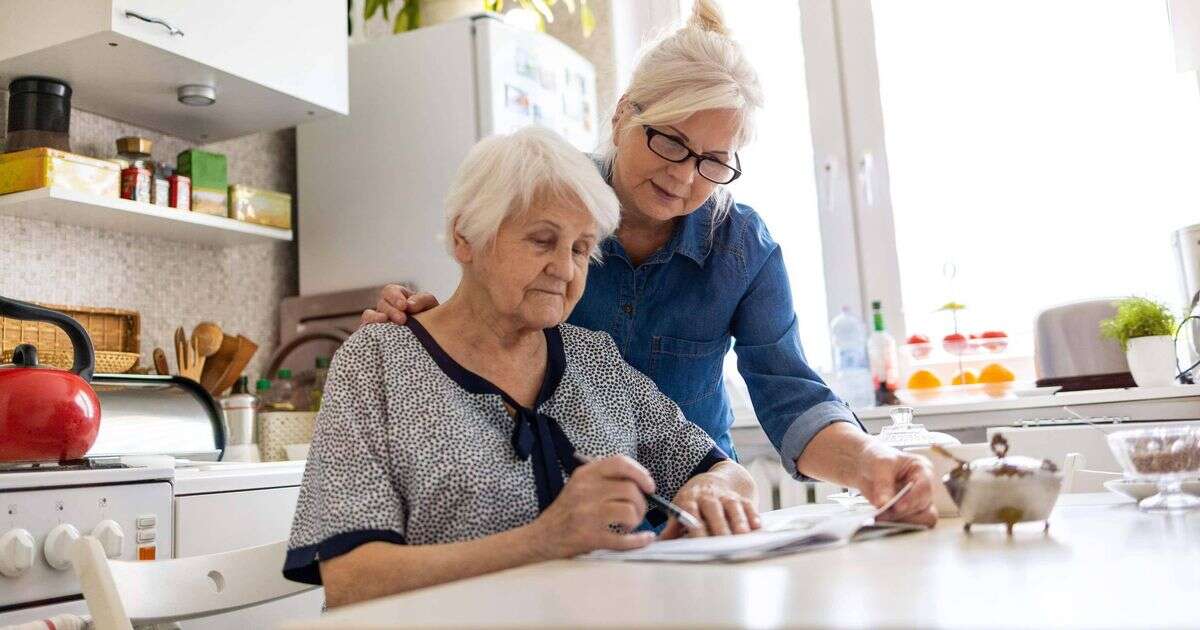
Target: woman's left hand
column 710, row 498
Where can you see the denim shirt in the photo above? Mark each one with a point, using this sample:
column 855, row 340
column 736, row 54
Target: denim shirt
column 674, row 316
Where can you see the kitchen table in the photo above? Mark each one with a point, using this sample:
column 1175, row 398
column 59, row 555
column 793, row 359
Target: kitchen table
column 1103, row 564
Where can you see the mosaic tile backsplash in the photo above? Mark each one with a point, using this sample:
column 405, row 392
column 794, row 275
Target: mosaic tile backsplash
column 170, row 283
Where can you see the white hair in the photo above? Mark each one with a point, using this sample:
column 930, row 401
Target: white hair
column 504, row 174
column 696, row 68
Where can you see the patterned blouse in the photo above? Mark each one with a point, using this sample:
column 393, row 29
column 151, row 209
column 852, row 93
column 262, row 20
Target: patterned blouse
column 412, row 448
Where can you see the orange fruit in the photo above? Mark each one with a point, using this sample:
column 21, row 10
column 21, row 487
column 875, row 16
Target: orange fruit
column 923, row 379
column 995, row 373
column 966, row 377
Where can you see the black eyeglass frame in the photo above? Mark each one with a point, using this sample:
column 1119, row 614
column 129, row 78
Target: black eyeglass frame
column 651, row 132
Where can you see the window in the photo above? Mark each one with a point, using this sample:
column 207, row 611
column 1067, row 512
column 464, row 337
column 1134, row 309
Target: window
column 778, row 181
column 1048, row 148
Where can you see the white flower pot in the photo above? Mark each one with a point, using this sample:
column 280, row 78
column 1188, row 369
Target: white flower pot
column 1152, row 360
column 438, row 11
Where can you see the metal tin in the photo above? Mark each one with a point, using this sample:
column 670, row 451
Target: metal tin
column 42, row 168
column 264, row 207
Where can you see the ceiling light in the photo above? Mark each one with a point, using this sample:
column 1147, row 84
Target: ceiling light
column 197, row 95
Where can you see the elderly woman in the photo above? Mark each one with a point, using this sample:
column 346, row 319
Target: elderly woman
column 689, row 271
column 447, row 448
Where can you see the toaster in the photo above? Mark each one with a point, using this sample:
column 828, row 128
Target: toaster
column 1070, row 352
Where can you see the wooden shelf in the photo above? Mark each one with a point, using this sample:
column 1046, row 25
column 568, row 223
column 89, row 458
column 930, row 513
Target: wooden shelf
column 121, row 215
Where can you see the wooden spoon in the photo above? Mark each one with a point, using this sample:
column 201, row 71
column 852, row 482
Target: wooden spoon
column 160, row 362
column 208, row 338
column 181, row 357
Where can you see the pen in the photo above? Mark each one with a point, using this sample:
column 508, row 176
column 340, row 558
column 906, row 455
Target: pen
column 895, row 498
column 681, row 515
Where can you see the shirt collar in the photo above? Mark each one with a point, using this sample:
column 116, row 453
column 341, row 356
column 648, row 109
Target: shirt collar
column 692, row 238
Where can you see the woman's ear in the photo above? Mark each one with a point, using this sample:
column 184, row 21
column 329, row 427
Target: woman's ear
column 620, row 115
column 462, row 247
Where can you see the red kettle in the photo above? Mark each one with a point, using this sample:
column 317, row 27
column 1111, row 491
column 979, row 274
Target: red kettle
column 47, row 414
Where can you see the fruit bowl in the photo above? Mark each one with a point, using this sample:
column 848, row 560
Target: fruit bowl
column 1166, row 456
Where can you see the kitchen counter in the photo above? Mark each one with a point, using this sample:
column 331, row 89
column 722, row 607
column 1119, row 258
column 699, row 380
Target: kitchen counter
column 969, row 421
column 1103, row 564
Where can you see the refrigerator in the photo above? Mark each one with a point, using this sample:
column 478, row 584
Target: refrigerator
column 371, row 185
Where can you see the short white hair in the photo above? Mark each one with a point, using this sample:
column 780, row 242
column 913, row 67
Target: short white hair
column 504, row 174
column 696, row 68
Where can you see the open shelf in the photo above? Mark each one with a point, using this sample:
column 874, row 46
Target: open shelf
column 121, row 215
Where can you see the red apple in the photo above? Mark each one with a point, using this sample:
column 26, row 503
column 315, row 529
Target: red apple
column 919, row 346
column 954, row 343
column 996, row 340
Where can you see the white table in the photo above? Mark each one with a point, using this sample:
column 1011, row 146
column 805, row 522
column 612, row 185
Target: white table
column 1103, row 564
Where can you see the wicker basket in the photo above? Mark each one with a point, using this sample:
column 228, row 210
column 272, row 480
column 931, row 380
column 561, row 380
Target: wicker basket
column 111, row 330
column 278, row 429
column 106, row 362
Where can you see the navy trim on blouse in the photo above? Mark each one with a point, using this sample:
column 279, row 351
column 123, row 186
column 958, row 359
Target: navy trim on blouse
column 536, row 436
column 303, row 564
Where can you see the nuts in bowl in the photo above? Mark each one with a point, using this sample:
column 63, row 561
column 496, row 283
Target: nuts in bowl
column 1165, row 455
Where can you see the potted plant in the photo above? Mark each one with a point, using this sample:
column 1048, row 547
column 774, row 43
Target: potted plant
column 1145, row 329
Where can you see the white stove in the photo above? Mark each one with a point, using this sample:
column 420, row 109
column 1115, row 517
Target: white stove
column 150, row 507
column 44, row 509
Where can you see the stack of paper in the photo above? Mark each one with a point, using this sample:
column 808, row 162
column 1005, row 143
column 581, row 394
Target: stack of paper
column 805, row 536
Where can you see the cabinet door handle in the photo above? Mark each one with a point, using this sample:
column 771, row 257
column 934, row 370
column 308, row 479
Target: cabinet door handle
column 153, row 20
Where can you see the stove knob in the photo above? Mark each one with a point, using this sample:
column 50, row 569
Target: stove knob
column 58, row 546
column 16, row 552
column 111, row 538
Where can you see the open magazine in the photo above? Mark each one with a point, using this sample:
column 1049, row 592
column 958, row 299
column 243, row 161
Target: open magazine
column 778, row 537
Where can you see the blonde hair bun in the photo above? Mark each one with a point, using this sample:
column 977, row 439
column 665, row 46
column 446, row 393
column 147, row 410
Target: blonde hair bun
column 707, row 16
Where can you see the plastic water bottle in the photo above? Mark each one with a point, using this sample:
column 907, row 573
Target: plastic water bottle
column 851, row 364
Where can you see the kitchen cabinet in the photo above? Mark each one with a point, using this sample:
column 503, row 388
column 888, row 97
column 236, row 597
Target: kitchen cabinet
column 272, row 63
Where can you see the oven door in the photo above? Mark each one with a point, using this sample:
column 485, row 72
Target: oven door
column 224, row 521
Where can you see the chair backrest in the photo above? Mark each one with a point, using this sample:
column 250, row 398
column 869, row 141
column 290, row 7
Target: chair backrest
column 121, row 593
column 1077, row 477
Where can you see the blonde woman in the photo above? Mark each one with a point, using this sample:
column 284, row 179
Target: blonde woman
column 447, row 448
column 689, row 271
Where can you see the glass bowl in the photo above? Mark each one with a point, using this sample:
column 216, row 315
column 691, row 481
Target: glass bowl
column 1166, row 456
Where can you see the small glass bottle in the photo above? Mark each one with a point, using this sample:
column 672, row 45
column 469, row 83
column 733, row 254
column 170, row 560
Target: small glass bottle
column 137, row 179
column 318, row 388
column 160, row 192
column 284, row 391
column 885, row 360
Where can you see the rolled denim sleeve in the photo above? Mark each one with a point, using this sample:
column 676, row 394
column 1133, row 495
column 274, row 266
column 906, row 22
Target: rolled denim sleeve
column 791, row 401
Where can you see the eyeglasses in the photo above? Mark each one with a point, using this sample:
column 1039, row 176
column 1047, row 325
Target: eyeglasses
column 672, row 149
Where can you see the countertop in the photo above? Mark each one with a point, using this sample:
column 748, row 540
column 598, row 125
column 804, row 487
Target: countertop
column 1052, row 403
column 1103, row 564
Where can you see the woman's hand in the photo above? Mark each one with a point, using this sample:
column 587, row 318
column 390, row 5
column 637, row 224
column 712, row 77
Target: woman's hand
column 598, row 499
column 885, row 471
column 396, row 303
column 711, row 498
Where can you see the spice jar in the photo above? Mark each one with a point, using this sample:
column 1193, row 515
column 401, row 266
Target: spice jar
column 137, row 179
column 180, row 191
column 160, row 193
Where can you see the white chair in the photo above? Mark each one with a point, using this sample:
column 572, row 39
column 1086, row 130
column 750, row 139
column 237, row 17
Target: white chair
column 123, row 594
column 1077, row 478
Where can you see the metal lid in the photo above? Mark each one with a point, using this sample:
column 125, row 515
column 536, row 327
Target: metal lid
column 133, row 145
column 1004, row 465
column 40, row 85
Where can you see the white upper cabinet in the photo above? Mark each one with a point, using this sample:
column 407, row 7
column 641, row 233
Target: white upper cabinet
column 273, row 63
